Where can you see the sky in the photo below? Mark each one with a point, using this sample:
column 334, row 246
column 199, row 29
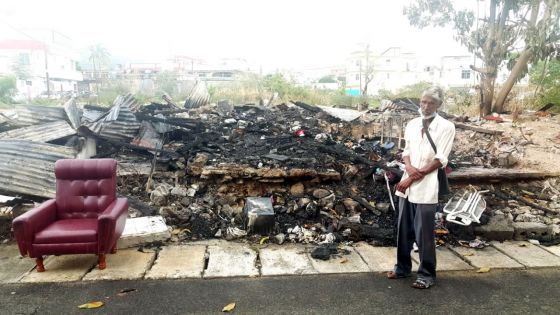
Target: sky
column 272, row 34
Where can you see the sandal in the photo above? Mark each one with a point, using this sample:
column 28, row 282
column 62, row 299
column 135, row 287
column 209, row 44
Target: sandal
column 421, row 284
column 394, row 275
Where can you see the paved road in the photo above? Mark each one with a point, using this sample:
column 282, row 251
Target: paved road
column 497, row 292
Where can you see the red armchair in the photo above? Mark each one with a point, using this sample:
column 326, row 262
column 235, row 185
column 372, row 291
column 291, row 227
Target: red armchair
column 85, row 218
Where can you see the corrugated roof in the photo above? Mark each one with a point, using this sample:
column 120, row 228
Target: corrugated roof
column 27, row 167
column 119, row 123
column 33, row 115
column 199, row 96
column 41, row 133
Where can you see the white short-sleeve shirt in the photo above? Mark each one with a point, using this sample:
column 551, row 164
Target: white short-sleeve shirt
column 421, row 153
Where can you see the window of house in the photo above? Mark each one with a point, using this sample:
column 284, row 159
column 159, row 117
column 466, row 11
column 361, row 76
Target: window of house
column 357, row 77
column 465, row 74
column 388, row 75
column 24, row 59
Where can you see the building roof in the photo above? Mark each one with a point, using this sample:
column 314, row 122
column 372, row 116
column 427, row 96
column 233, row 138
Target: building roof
column 22, row 44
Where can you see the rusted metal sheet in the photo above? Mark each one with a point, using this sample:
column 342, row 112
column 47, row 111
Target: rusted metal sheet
column 40, row 133
column 148, row 137
column 27, row 167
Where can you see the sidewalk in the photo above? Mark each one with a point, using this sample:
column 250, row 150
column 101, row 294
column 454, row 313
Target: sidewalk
column 218, row 259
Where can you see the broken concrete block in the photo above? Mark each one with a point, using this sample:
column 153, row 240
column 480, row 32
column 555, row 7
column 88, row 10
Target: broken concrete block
column 280, row 238
column 527, row 217
column 498, row 228
column 191, row 192
column 297, row 190
column 351, row 205
column 159, row 195
column 138, row 231
column 506, row 159
column 179, row 191
column 195, row 167
column 531, row 230
column 321, row 193
column 327, row 202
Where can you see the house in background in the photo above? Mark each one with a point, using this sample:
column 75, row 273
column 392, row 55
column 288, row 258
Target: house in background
column 43, row 63
column 455, row 72
column 213, row 72
column 392, row 69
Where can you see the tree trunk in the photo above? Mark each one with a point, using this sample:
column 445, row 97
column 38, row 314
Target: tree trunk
column 514, row 75
column 487, row 86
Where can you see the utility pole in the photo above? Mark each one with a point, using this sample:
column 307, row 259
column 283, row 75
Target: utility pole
column 364, row 91
column 47, row 70
column 360, row 75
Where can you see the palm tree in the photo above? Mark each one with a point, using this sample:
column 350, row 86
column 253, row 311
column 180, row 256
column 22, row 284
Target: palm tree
column 100, row 58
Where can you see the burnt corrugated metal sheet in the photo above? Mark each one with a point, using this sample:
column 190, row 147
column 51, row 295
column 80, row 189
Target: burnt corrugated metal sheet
column 198, row 96
column 119, row 123
column 148, row 137
column 41, row 133
column 129, row 101
column 33, row 115
column 27, row 167
column 73, row 113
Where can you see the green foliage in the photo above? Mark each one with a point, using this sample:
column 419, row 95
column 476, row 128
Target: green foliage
column 546, row 76
column 45, row 101
column 277, row 83
column 410, row 91
column 20, row 68
column 517, row 32
column 327, row 79
column 99, row 56
column 8, row 89
column 110, row 91
column 166, row 81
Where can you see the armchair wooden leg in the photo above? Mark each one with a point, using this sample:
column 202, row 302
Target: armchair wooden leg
column 39, row 263
column 114, row 249
column 102, row 263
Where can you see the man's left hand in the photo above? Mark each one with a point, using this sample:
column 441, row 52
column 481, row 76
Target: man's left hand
column 403, row 185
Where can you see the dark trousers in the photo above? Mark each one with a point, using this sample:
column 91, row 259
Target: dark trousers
column 416, row 223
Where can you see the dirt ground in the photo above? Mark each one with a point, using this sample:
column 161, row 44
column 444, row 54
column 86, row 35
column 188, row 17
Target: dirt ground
column 536, row 141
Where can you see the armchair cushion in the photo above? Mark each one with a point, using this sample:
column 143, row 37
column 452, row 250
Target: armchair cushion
column 84, row 188
column 68, row 231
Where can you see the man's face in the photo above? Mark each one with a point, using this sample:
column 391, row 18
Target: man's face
column 428, row 105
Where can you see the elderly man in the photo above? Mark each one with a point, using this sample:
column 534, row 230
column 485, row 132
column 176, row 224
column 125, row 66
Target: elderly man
column 418, row 188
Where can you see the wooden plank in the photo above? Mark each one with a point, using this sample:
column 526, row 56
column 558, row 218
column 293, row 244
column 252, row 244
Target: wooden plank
column 497, row 174
column 478, row 129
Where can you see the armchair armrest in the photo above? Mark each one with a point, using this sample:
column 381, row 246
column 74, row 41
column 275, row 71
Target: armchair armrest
column 110, row 223
column 28, row 224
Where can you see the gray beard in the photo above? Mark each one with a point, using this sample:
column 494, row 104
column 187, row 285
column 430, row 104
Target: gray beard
column 426, row 117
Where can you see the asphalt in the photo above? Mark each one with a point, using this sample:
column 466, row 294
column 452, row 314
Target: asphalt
column 533, row 291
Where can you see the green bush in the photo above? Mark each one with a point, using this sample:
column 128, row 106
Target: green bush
column 8, row 89
column 546, row 77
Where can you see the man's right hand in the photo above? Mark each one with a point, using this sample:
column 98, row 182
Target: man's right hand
column 413, row 172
